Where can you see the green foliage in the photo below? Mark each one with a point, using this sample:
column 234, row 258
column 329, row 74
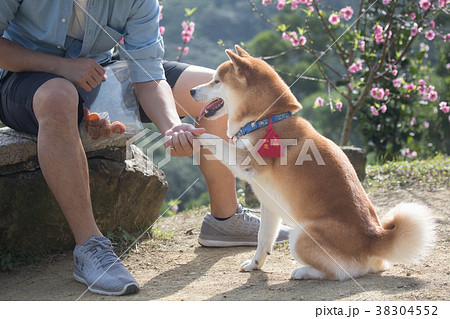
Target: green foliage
column 121, row 238
column 201, row 200
column 431, row 174
column 189, row 12
column 157, row 233
column 10, row 258
column 169, row 208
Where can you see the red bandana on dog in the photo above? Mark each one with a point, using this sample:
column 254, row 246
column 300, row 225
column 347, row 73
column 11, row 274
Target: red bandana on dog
column 270, row 145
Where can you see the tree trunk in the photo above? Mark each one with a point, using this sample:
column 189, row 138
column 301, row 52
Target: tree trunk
column 347, row 125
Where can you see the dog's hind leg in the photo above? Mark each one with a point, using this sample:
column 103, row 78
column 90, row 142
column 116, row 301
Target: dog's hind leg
column 323, row 257
column 268, row 231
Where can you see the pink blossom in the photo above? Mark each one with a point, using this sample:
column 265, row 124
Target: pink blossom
column 406, row 152
column 295, row 4
column 410, row 86
column 432, row 24
column 378, row 33
column 174, row 207
column 355, row 67
column 383, row 108
column 302, row 40
column 266, row 2
column 394, row 72
column 443, row 107
column 351, row 86
column 310, row 8
column 377, row 93
column 374, row 110
column 339, row 106
column 447, row 66
column 386, row 1
column 432, row 96
column 334, row 19
column 426, row 124
column 430, row 35
column 160, row 16
column 424, row 4
column 386, row 93
column 294, row 38
column 397, row 82
column 346, row 13
column 413, row 15
column 362, row 45
column 377, row 30
column 188, row 30
column 414, row 31
column 162, row 29
column 185, row 50
column 412, row 122
column 442, row 3
column 281, row 4
column 319, row 101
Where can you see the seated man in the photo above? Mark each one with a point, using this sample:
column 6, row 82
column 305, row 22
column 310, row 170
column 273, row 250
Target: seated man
column 48, row 50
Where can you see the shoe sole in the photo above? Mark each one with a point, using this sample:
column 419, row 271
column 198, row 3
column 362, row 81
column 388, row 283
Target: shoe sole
column 127, row 290
column 222, row 244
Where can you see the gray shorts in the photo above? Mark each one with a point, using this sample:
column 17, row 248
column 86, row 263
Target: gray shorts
column 17, row 91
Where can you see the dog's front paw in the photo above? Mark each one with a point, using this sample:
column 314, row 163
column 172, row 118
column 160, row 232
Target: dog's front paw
column 249, row 265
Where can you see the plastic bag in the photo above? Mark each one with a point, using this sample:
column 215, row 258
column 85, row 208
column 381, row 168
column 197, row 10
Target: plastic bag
column 112, row 108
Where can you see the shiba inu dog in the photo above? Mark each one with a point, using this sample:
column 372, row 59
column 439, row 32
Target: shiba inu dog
column 308, row 181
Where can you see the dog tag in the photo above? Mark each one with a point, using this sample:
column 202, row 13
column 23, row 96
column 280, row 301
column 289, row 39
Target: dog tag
column 270, row 145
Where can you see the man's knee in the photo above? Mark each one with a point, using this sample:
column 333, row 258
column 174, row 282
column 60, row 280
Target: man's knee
column 56, row 101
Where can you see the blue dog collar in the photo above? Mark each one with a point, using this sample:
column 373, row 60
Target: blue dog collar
column 255, row 125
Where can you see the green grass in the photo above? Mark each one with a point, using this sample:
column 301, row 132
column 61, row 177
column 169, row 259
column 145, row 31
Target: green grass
column 430, row 174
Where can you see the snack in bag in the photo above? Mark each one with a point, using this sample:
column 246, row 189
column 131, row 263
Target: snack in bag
column 114, row 100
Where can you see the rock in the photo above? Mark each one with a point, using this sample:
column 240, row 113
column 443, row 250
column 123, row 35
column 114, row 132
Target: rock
column 357, row 157
column 125, row 192
column 250, row 198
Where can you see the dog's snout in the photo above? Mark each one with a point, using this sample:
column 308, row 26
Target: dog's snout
column 192, row 92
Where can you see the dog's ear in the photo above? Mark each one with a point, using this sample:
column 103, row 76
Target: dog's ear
column 237, row 61
column 240, row 51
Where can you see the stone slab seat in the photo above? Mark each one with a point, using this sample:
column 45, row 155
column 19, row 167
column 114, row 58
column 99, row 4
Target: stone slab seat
column 125, row 192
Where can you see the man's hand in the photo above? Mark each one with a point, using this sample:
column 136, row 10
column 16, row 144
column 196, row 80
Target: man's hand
column 83, row 72
column 179, row 139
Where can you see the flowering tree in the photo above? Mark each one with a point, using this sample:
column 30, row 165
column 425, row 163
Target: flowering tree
column 382, row 65
column 188, row 28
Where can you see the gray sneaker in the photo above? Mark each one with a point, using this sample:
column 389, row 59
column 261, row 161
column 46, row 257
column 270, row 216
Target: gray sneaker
column 97, row 266
column 241, row 229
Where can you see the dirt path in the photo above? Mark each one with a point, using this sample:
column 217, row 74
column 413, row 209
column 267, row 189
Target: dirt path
column 174, row 266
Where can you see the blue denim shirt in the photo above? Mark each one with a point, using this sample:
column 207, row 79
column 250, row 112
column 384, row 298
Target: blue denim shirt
column 42, row 26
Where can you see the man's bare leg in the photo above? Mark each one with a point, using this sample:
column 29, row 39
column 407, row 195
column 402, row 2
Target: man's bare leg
column 220, row 181
column 61, row 155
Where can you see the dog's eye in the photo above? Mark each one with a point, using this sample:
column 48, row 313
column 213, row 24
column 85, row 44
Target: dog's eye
column 216, row 81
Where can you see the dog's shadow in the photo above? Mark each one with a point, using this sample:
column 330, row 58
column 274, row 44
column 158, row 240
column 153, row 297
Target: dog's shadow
column 368, row 288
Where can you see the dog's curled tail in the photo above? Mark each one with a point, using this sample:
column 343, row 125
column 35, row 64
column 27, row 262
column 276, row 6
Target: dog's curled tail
column 408, row 234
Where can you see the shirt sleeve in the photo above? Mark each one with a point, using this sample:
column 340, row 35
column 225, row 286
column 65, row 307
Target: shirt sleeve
column 144, row 47
column 8, row 9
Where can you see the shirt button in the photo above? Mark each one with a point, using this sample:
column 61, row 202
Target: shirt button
column 63, row 20
column 59, row 47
